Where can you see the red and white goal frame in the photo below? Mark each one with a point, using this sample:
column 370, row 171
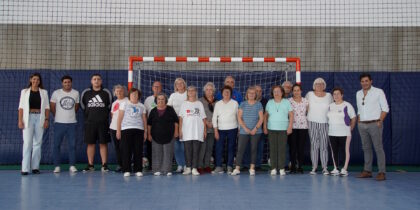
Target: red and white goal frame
column 133, row 59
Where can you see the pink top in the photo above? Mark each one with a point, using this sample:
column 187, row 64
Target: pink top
column 299, row 113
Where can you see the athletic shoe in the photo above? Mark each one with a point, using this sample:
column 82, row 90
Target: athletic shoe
column 36, row 171
column 273, row 172
column 89, row 168
column 24, row 173
column 73, row 169
column 187, row 171
column 207, row 170
column 195, row 172
column 229, row 170
column 335, row 172
column 235, row 172
column 282, row 172
column 105, row 168
column 313, row 172
column 300, row 170
column 126, row 174
column 251, row 172
column 344, row 172
column 157, row 173
column 169, row 174
column 57, row 169
column 139, row 174
column 179, row 169
column 325, row 172
column 218, row 170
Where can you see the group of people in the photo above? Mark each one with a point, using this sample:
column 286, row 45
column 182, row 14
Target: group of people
column 195, row 129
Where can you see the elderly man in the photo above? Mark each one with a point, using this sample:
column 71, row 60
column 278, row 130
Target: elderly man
column 372, row 109
column 236, row 95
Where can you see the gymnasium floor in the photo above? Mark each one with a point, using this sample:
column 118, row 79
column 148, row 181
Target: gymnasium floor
column 111, row 190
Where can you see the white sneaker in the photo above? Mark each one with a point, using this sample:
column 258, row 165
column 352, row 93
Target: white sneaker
column 229, row 170
column 313, row 172
column 73, row 169
column 157, row 173
column 187, row 171
column 251, row 172
column 325, row 172
column 235, row 172
column 126, row 174
column 195, row 172
column 273, row 172
column 139, row 174
column 282, row 172
column 169, row 174
column 179, row 169
column 218, row 170
column 344, row 172
column 335, row 172
column 57, row 169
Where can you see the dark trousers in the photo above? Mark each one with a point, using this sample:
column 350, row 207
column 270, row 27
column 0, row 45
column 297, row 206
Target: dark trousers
column 147, row 149
column 297, row 147
column 117, row 146
column 132, row 147
column 338, row 146
column 192, row 152
column 230, row 135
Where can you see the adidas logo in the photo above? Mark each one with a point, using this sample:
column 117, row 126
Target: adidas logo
column 96, row 102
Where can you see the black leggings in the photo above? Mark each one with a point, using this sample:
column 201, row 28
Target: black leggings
column 297, row 146
column 132, row 147
column 338, row 146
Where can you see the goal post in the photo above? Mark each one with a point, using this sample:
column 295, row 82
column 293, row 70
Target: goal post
column 133, row 59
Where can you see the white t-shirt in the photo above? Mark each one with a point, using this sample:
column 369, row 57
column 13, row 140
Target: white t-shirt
column 115, row 108
column 149, row 103
column 192, row 114
column 176, row 99
column 133, row 115
column 339, row 117
column 64, row 105
column 318, row 107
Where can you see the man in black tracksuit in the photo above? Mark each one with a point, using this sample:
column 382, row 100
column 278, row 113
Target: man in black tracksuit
column 96, row 104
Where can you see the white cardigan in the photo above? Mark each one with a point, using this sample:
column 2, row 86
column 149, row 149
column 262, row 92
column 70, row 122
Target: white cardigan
column 24, row 104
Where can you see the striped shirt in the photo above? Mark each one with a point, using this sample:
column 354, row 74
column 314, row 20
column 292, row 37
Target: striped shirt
column 250, row 116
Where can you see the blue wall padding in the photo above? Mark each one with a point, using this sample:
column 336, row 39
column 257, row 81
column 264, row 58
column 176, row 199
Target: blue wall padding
column 401, row 89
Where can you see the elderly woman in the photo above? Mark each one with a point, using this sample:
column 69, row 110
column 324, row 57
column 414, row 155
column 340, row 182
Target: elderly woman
column 319, row 102
column 341, row 121
column 162, row 127
column 121, row 94
column 206, row 149
column 192, row 129
column 250, row 116
column 300, row 129
column 225, row 124
column 130, row 130
column 34, row 110
column 278, row 120
column 175, row 100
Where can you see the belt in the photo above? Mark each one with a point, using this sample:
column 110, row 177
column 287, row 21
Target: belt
column 34, row 112
column 369, row 121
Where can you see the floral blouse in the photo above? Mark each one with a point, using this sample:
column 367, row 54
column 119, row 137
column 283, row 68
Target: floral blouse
column 299, row 113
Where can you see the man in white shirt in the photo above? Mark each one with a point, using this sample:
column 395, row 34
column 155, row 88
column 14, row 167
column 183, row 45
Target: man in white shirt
column 372, row 108
column 64, row 105
column 150, row 103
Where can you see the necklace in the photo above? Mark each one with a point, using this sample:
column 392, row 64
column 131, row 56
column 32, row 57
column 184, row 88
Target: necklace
column 277, row 107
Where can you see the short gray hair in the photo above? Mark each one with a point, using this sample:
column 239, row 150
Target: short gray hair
column 319, row 80
column 209, row 85
column 119, row 87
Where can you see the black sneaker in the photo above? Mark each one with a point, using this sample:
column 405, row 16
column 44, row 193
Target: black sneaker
column 36, row 171
column 300, row 170
column 89, row 168
column 105, row 167
column 24, row 173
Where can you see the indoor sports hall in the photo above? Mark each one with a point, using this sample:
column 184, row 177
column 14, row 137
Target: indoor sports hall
column 342, row 49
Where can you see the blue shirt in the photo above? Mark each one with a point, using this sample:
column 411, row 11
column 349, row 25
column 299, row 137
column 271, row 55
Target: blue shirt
column 278, row 114
column 237, row 96
column 250, row 116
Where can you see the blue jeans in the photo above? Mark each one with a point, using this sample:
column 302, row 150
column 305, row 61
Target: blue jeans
column 260, row 150
column 179, row 153
column 231, row 143
column 62, row 130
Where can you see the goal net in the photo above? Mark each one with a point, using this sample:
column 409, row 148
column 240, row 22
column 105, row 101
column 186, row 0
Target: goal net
column 197, row 71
